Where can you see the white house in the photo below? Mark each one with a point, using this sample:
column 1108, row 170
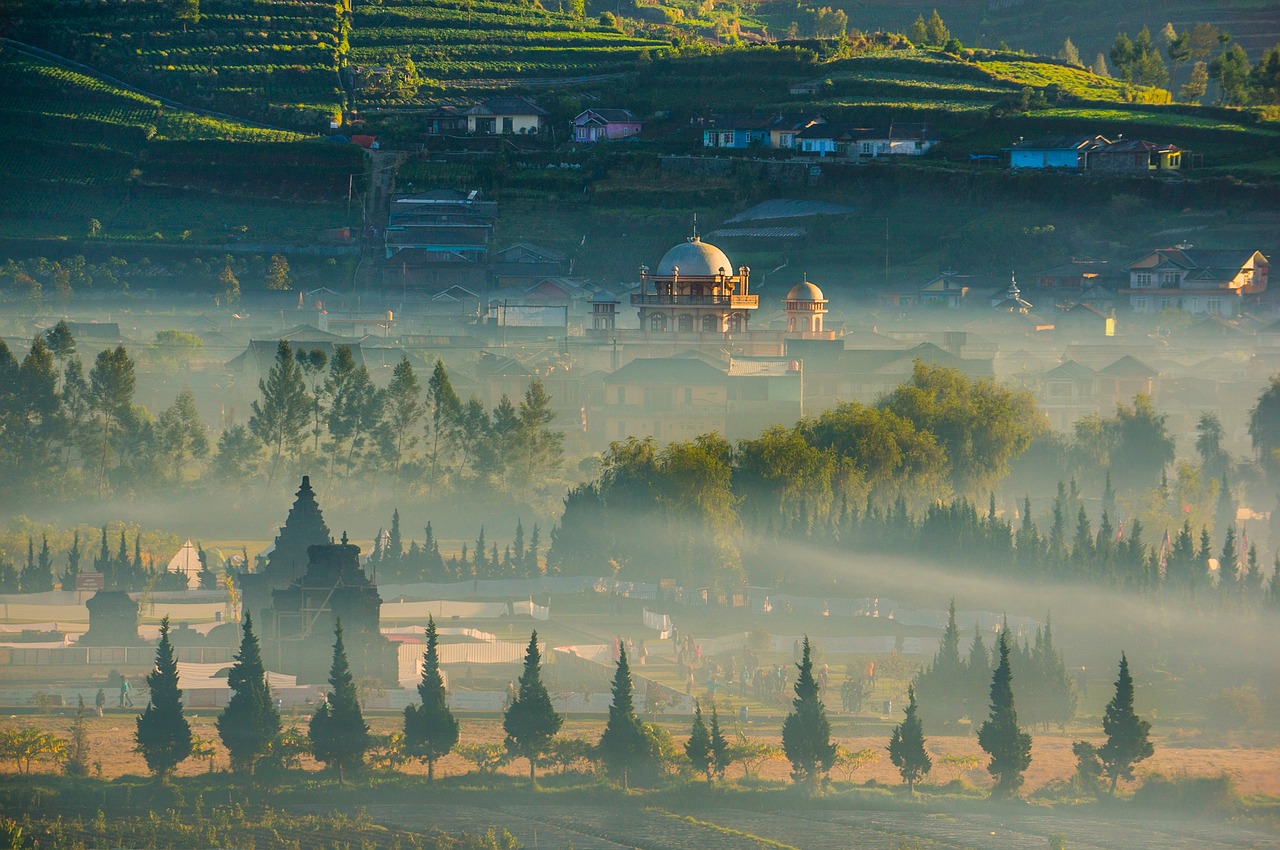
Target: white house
column 505, row 116
column 1194, row 280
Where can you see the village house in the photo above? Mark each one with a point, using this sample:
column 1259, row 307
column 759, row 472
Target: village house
column 911, row 139
column 829, row 139
column 1195, row 280
column 506, row 116
column 1136, row 156
column 1078, row 275
column 736, row 131
column 1068, row 152
column 1068, row 393
column 437, row 239
column 525, row 265
column 600, row 125
column 785, row 129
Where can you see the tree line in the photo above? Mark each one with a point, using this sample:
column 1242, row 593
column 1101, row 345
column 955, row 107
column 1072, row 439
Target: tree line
column 392, row 562
column 65, row 431
column 629, row 749
column 681, row 509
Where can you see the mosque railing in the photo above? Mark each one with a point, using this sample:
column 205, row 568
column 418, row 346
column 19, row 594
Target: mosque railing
column 735, row 301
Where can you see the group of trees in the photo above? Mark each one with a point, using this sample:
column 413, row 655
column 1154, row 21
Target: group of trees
column 308, row 397
column 65, row 431
column 1008, row 744
column 954, row 687
column 122, row 568
column 1213, row 58
column 940, row 431
column 392, row 562
column 41, row 281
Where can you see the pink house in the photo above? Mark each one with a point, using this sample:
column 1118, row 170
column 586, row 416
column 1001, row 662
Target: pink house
column 595, row 125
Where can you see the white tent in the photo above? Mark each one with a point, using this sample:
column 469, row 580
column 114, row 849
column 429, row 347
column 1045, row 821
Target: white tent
column 187, row 562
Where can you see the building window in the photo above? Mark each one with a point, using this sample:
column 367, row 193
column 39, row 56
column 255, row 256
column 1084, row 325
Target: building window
column 684, row 324
column 1166, row 304
column 1213, row 306
column 710, row 324
column 507, row 124
column 1169, row 279
column 657, row 322
column 735, row 324
column 726, row 139
column 1142, row 279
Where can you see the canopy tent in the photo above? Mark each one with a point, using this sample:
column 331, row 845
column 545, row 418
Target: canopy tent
column 187, row 562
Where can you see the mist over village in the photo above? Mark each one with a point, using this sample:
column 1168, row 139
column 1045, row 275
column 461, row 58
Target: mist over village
column 658, row 424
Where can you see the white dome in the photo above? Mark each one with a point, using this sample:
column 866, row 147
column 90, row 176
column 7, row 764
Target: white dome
column 805, row 292
column 695, row 257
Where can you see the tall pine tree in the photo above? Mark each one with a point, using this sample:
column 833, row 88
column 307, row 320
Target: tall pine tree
column 531, row 721
column 719, row 746
column 339, row 735
column 1128, row 736
column 698, row 747
column 250, row 723
column 1000, row 737
column 624, row 746
column 942, row 686
column 806, row 733
column 163, row 735
column 906, row 746
column 430, row 729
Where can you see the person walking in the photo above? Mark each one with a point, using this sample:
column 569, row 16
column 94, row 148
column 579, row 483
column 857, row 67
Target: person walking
column 125, row 687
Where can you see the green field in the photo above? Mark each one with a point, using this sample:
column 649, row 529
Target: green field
column 74, row 149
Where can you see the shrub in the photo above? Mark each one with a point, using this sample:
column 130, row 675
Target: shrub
column 1189, row 795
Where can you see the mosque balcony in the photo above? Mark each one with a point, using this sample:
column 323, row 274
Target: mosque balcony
column 745, row 302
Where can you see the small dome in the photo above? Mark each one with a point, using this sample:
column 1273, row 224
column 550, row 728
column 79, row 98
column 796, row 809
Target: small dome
column 603, row 297
column 805, row 292
column 696, row 258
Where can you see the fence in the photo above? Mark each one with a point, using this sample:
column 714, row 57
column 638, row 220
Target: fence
column 130, row 656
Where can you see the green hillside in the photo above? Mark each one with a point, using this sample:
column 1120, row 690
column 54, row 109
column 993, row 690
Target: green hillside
column 261, row 59
column 477, row 44
column 74, row 149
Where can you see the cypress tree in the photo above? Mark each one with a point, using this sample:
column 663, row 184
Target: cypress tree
column 1060, row 698
column 163, row 736
column 942, row 684
column 531, row 721
column 698, row 747
column 977, row 671
column 624, row 744
column 806, row 733
column 1128, row 736
column 430, row 729
column 73, row 564
column 1228, row 563
column 77, row 763
column 906, row 746
column 719, row 746
column 250, row 723
column 1000, row 737
column 339, row 735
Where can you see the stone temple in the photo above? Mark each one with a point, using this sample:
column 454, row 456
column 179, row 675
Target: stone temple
column 303, row 528
column 307, row 584
column 303, row 615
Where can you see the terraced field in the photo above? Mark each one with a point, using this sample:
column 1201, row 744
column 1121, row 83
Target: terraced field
column 269, row 60
column 74, row 148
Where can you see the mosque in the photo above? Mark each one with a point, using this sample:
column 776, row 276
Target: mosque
column 696, row 296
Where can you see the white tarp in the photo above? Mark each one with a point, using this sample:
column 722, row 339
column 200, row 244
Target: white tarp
column 660, row 623
column 187, row 562
column 201, row 676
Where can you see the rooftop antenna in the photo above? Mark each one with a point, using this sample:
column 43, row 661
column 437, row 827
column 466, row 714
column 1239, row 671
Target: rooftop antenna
column 694, row 238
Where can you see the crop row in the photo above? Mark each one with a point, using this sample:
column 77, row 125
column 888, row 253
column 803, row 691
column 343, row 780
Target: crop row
column 414, row 35
column 460, row 19
column 268, row 54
